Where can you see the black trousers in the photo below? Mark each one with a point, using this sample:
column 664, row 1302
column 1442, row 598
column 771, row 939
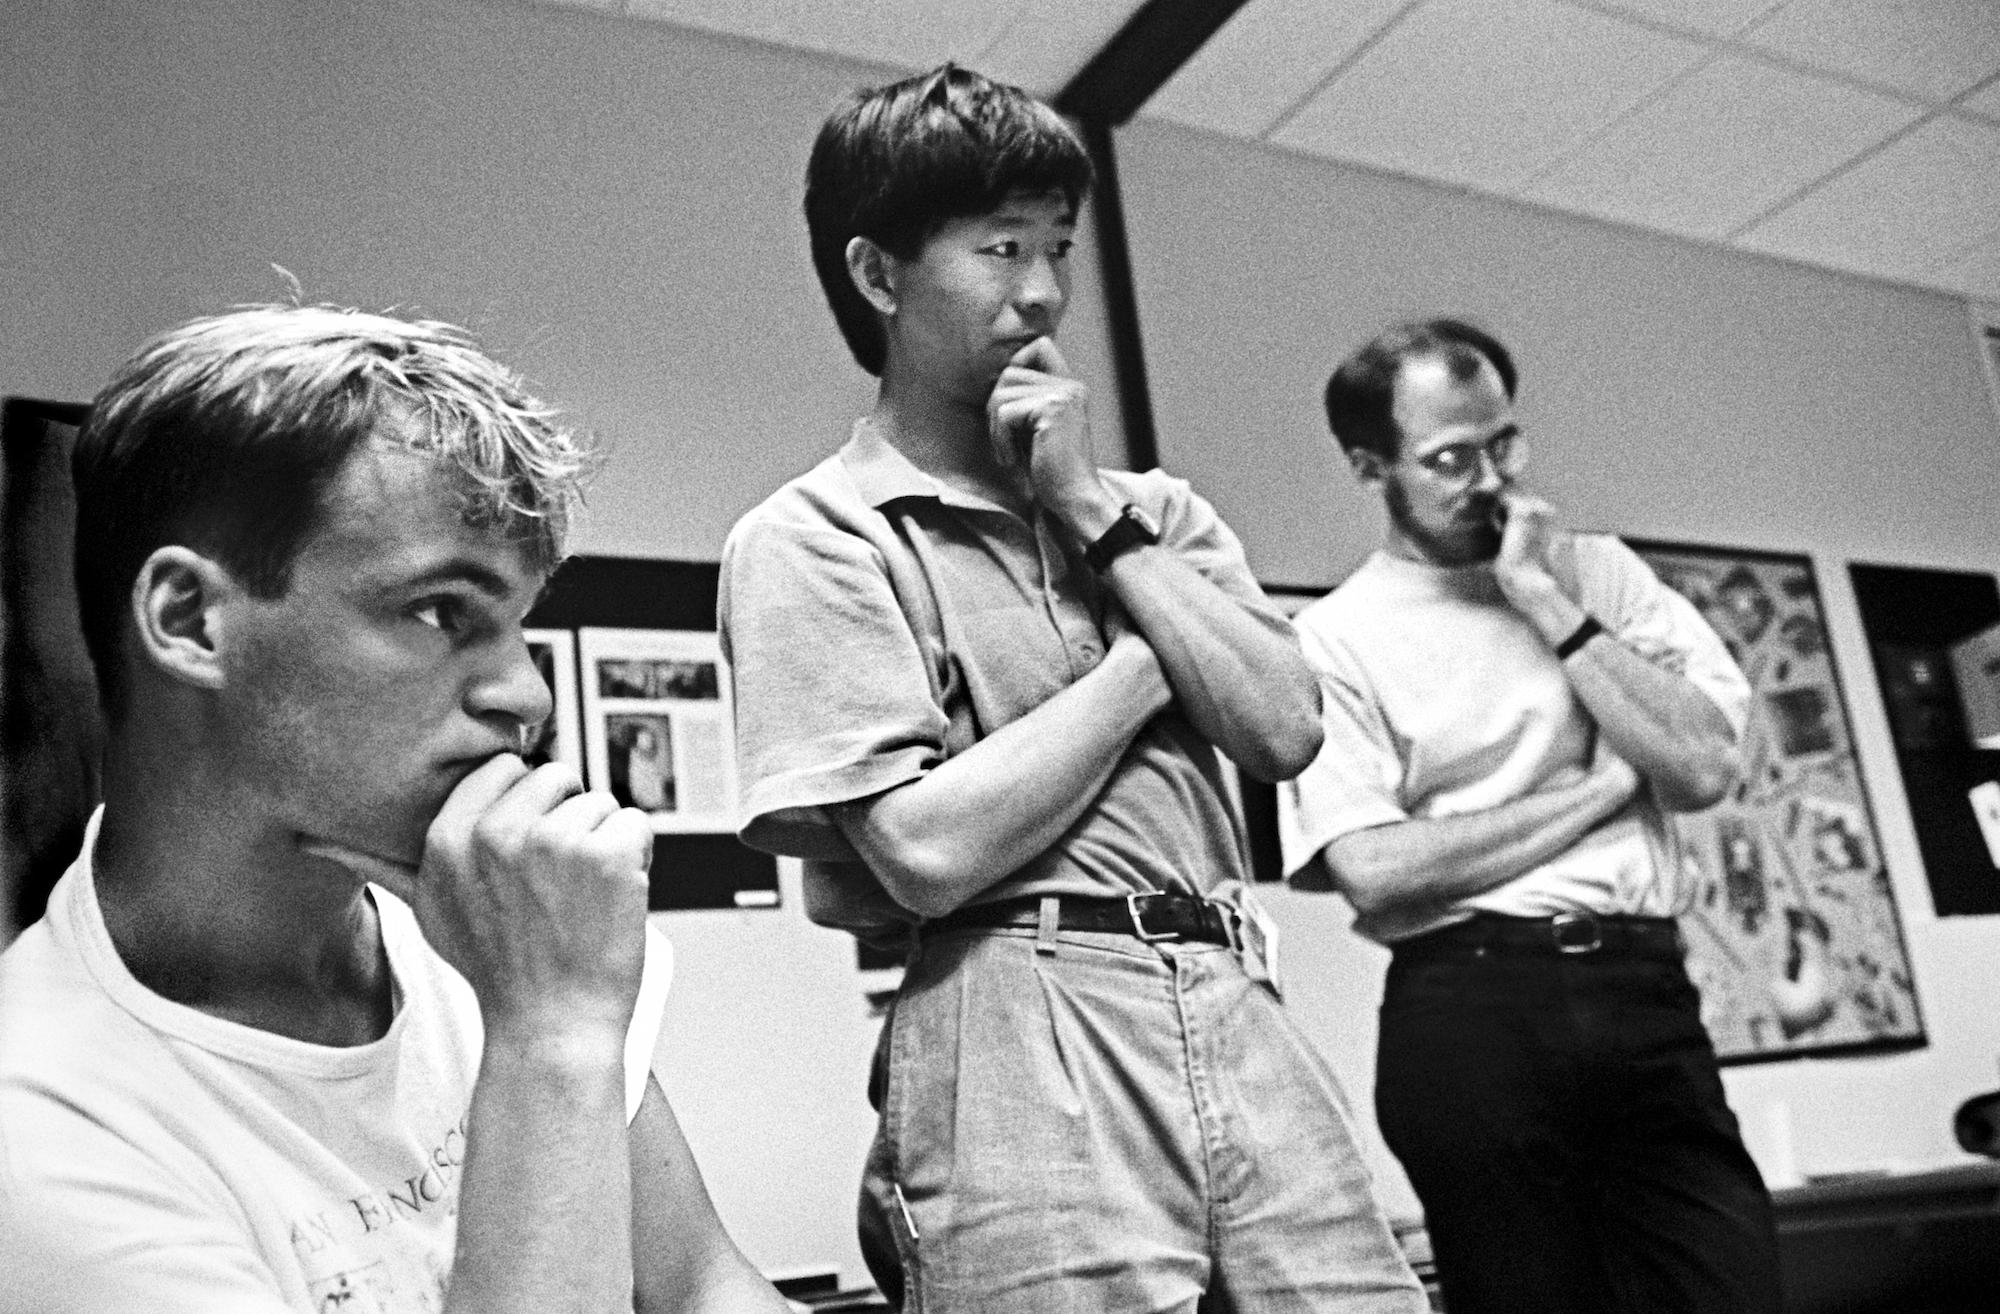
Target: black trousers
column 1561, row 1118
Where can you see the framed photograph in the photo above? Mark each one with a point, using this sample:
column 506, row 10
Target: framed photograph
column 658, row 726
column 560, row 738
column 1794, row 938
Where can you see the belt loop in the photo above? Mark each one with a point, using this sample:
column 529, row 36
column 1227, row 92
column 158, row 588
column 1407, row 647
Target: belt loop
column 1046, row 923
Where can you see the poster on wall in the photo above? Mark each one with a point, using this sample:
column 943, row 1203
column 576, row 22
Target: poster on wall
column 657, row 726
column 560, row 738
column 1793, row 938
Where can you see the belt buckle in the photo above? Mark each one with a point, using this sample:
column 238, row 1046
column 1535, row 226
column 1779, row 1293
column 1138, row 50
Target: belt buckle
column 1139, row 922
column 1560, row 928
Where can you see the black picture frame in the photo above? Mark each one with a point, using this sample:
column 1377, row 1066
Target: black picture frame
column 50, row 732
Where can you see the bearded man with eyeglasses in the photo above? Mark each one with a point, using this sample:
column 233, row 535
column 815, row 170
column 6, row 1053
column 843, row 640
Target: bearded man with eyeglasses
column 1510, row 710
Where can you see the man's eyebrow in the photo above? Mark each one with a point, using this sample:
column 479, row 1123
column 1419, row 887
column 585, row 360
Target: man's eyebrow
column 464, row 570
column 1013, row 218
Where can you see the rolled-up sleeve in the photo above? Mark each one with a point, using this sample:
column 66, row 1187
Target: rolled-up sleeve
column 832, row 701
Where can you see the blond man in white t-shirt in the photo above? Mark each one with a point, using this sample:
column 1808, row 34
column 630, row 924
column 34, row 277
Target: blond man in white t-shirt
column 1510, row 708
column 342, row 1005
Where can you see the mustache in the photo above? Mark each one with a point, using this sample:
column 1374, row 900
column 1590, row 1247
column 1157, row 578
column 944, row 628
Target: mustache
column 1486, row 508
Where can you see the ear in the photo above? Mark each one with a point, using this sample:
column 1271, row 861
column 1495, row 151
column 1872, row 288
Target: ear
column 1368, row 466
column 178, row 601
column 874, row 273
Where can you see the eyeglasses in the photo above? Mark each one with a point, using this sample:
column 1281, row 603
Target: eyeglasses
column 1459, row 462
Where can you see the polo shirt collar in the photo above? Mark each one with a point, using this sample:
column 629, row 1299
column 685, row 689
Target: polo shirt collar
column 882, row 474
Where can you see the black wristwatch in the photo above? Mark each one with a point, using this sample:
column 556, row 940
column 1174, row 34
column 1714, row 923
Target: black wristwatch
column 1133, row 528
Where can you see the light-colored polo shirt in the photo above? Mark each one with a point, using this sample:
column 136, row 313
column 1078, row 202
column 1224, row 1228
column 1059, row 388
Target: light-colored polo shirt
column 1440, row 699
column 877, row 620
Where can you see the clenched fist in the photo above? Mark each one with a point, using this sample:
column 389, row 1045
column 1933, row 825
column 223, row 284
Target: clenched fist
column 536, row 892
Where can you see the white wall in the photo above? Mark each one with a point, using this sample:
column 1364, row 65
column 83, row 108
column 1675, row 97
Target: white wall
column 1670, row 391
column 614, row 207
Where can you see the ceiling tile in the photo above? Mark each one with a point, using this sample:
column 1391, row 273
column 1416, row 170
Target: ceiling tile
column 1929, row 48
column 1923, row 198
column 1265, row 59
column 1974, row 274
column 1985, row 101
column 1708, row 17
column 1485, row 92
column 1720, row 148
column 911, row 34
column 1047, row 42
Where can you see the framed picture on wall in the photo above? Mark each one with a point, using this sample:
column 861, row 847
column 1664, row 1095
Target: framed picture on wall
column 560, row 738
column 1793, row 938
column 658, row 726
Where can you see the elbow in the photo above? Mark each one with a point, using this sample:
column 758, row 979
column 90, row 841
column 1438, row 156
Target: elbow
column 915, row 859
column 1352, row 871
column 1702, row 782
column 1370, row 898
column 916, row 865
column 1288, row 749
column 1289, row 741
column 919, row 877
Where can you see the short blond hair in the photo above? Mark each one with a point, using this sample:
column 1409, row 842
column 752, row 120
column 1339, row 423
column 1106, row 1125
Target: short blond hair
column 225, row 433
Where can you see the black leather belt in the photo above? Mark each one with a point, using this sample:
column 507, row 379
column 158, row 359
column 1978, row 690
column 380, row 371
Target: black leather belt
column 1150, row 917
column 1564, row 934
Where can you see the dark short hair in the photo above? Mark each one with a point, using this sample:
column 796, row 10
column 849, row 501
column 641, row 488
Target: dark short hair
column 1361, row 394
column 896, row 163
column 225, row 433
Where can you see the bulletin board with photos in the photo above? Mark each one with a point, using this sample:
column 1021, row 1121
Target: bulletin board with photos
column 642, row 709
column 1794, row 937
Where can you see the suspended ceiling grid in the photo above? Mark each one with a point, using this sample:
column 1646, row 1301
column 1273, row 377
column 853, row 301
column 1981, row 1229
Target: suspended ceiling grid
column 1858, row 135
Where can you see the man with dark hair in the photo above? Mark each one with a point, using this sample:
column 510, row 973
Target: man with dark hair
column 1509, row 709
column 980, row 686
column 341, row 1005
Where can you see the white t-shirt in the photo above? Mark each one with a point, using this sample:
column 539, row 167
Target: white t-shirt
column 1440, row 699
column 182, row 1162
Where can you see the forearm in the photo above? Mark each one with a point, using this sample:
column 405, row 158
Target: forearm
column 1431, row 861
column 1671, row 733
column 545, row 1204
column 683, row 1259
column 1247, row 689
column 979, row 816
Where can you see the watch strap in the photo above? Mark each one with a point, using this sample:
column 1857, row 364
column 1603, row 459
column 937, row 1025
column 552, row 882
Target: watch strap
column 1582, row 634
column 1133, row 528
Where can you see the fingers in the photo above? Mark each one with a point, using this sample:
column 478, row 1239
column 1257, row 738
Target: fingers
column 1041, row 354
column 542, row 789
column 584, row 812
column 628, row 830
column 501, row 794
column 479, row 791
column 1022, row 406
column 1003, row 427
column 1623, row 778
